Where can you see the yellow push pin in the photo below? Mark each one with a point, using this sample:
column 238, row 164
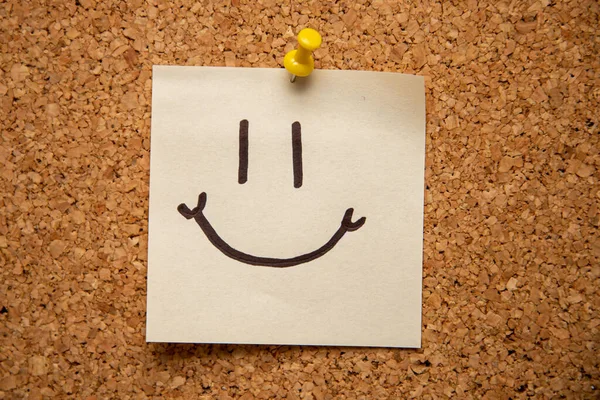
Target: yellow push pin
column 300, row 62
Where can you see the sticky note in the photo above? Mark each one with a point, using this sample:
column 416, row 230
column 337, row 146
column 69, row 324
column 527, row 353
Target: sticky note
column 286, row 213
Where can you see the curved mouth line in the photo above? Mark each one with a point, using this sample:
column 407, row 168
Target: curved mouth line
column 196, row 213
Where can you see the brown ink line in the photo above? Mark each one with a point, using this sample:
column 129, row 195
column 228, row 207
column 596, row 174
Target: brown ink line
column 243, row 164
column 346, row 226
column 297, row 153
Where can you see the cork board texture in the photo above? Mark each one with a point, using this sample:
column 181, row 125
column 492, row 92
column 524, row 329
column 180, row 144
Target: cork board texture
column 511, row 242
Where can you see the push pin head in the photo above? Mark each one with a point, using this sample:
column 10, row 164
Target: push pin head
column 300, row 62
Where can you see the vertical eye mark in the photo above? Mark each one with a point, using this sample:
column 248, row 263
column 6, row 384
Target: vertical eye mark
column 297, row 153
column 243, row 165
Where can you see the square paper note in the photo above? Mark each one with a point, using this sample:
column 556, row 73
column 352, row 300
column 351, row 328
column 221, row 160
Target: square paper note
column 286, row 213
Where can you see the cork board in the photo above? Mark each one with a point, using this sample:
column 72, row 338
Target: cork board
column 511, row 249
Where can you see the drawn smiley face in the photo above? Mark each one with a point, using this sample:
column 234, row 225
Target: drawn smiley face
column 197, row 212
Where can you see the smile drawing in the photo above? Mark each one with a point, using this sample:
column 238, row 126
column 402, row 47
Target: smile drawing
column 196, row 213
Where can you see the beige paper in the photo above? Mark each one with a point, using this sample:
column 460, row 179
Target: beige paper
column 363, row 147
